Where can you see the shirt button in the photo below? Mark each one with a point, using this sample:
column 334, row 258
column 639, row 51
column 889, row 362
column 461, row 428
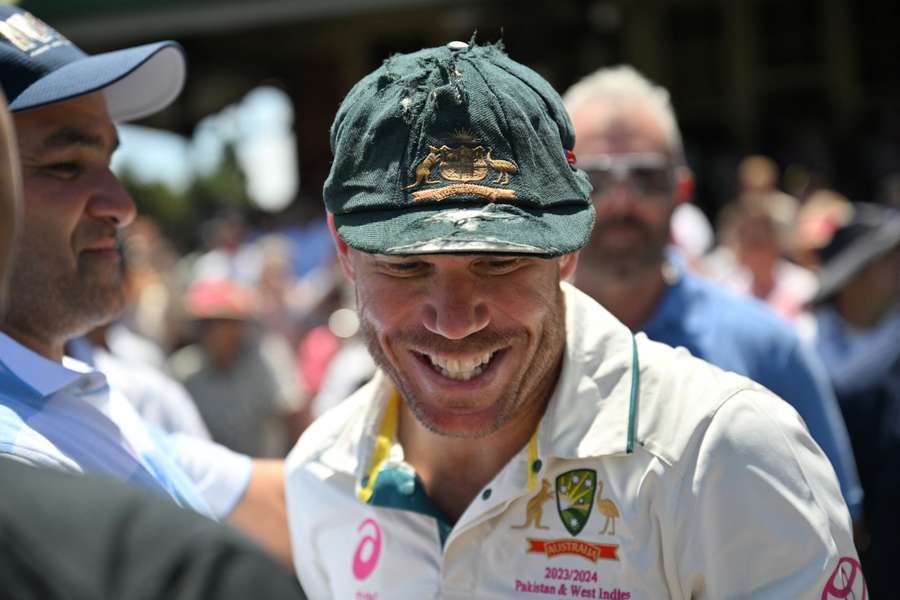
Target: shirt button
column 486, row 494
column 457, row 45
column 536, row 466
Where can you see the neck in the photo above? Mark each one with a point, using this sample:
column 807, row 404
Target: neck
column 52, row 349
column 437, row 458
column 632, row 299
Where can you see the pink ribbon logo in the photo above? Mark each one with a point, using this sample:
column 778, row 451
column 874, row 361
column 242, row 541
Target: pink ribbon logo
column 365, row 559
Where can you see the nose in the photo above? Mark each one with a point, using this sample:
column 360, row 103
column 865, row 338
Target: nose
column 616, row 200
column 619, row 194
column 454, row 308
column 110, row 201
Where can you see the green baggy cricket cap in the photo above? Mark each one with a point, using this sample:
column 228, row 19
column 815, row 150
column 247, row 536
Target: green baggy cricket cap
column 456, row 149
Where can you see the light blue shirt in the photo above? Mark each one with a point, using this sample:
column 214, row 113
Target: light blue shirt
column 742, row 335
column 856, row 359
column 66, row 416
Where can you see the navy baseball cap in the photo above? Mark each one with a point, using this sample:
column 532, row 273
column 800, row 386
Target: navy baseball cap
column 40, row 66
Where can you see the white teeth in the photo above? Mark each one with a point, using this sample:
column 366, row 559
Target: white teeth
column 461, row 370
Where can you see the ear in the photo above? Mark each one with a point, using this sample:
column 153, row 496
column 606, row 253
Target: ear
column 684, row 185
column 567, row 265
column 343, row 250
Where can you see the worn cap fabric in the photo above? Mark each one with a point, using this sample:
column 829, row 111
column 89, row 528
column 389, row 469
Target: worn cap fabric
column 39, row 66
column 456, row 149
column 871, row 232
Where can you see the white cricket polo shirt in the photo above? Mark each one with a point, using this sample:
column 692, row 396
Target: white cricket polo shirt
column 682, row 482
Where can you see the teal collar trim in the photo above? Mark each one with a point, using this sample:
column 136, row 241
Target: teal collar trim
column 632, row 402
column 402, row 489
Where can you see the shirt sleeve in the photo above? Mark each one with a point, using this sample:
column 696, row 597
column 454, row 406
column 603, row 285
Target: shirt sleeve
column 804, row 384
column 220, row 475
column 759, row 514
column 20, row 459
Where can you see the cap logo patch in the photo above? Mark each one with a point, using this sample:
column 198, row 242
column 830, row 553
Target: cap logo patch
column 463, row 163
column 29, row 34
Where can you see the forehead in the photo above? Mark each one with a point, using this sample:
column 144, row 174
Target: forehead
column 81, row 121
column 607, row 127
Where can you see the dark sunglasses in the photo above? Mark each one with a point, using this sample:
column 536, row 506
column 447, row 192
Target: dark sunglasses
column 646, row 174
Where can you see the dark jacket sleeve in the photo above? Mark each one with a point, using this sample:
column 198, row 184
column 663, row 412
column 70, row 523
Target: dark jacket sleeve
column 78, row 537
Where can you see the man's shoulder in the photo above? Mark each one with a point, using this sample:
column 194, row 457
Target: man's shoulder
column 746, row 317
column 337, row 432
column 681, row 396
column 23, row 442
column 736, row 333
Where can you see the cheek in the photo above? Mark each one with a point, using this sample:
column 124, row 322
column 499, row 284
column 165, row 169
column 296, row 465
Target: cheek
column 528, row 304
column 49, row 212
column 383, row 306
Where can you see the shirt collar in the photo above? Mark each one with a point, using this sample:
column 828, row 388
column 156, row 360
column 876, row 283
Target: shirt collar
column 44, row 376
column 588, row 414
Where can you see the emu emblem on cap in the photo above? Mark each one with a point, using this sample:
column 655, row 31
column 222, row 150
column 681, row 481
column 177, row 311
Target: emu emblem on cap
column 464, row 163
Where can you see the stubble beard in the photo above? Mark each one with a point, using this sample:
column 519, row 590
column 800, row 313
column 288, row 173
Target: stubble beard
column 624, row 263
column 529, row 389
column 54, row 305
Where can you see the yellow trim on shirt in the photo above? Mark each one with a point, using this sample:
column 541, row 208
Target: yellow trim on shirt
column 532, row 457
column 382, row 448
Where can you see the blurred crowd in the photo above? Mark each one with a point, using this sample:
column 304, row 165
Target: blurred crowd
column 251, row 337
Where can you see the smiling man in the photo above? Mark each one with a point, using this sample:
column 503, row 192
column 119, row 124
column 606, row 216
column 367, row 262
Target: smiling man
column 66, row 279
column 518, row 441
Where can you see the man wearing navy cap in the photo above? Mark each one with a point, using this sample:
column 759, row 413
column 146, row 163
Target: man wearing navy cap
column 161, row 551
column 66, row 279
column 518, row 441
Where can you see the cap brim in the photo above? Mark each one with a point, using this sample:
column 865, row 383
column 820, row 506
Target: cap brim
column 137, row 81
column 466, row 229
column 840, row 270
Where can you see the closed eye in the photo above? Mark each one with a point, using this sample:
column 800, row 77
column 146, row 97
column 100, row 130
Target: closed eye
column 62, row 170
column 411, row 268
column 500, row 266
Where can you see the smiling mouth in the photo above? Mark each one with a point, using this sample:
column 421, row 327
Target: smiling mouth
column 459, row 369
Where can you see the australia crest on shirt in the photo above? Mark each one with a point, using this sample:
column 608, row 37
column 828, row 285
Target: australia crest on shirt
column 570, row 531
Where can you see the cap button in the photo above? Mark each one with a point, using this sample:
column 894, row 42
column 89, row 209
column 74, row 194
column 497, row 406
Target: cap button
column 457, row 45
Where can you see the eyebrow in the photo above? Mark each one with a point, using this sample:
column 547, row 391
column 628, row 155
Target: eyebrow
column 73, row 136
